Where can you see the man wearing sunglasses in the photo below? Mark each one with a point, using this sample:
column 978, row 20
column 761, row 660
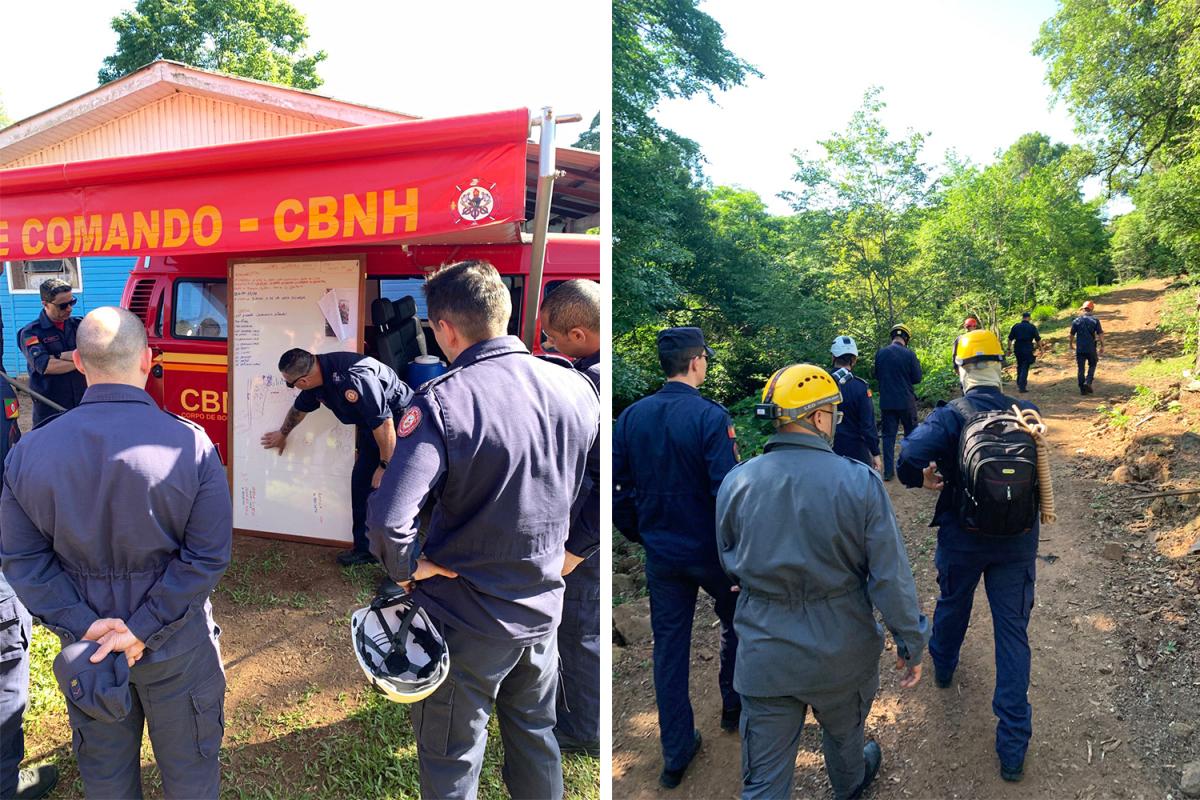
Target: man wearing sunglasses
column 48, row 343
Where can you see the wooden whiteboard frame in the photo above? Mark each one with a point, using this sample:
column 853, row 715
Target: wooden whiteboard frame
column 360, row 346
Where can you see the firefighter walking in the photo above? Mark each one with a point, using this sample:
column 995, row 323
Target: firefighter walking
column 811, row 540
column 981, row 535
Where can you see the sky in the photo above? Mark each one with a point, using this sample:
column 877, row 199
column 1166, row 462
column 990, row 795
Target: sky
column 426, row 58
column 960, row 71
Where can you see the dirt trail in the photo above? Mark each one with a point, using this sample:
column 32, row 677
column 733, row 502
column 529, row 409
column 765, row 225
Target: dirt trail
column 940, row 743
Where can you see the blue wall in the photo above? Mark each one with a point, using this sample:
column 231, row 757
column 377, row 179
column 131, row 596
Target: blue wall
column 103, row 283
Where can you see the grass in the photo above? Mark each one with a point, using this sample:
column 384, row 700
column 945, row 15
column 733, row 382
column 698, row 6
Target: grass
column 316, row 742
column 1162, row 367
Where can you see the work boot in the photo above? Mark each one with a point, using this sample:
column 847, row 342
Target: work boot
column 942, row 679
column 568, row 746
column 873, row 757
column 887, row 476
column 670, row 778
column 1083, row 390
column 36, row 782
column 730, row 718
column 1013, row 774
column 1088, row 387
column 389, row 588
column 352, row 558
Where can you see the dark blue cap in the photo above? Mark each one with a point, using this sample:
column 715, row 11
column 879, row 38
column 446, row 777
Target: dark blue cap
column 99, row 690
column 672, row 340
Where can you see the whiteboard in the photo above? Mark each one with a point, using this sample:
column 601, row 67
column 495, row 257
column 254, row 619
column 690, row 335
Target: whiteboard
column 275, row 306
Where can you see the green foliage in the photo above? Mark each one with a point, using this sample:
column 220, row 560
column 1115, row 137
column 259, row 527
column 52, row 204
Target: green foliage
column 1042, row 313
column 590, row 139
column 4, row 120
column 661, row 49
column 752, row 432
column 1150, row 368
column 1178, row 316
column 1113, row 416
column 1138, row 251
column 1143, row 397
column 259, row 39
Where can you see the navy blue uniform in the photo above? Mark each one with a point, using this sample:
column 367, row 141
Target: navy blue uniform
column 1086, row 328
column 502, row 442
column 1021, row 337
column 1007, row 566
column 673, row 449
column 898, row 371
column 137, row 527
column 856, row 436
column 579, row 632
column 15, row 629
column 40, row 341
column 363, row 392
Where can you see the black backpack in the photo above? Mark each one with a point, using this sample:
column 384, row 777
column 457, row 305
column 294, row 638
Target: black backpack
column 997, row 481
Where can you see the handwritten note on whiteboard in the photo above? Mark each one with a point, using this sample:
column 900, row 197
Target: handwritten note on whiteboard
column 305, row 491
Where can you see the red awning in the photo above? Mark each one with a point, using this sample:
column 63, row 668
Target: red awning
column 453, row 179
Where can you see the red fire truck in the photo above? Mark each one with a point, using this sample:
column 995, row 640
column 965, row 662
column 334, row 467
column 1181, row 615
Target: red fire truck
column 383, row 205
column 183, row 302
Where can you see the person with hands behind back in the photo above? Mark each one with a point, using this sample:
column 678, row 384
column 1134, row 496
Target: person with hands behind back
column 130, row 563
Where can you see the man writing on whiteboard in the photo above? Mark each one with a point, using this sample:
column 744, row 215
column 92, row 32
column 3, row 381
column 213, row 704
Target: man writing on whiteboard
column 362, row 392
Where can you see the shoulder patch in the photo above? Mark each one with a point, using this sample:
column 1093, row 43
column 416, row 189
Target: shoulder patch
column 409, row 422
column 351, row 396
column 31, row 341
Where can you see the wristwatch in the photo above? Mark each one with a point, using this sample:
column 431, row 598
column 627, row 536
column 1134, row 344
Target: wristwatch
column 383, row 463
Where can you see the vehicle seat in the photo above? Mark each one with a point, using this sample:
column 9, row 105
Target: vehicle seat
column 388, row 343
column 409, row 331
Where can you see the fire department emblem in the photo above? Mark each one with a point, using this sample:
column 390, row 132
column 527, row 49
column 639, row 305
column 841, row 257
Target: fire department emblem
column 475, row 202
column 351, row 396
column 409, row 422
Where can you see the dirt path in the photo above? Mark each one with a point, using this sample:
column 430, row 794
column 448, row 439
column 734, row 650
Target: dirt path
column 940, row 743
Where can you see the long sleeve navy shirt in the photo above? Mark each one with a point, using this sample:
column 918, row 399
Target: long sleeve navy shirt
column 117, row 509
column 672, row 450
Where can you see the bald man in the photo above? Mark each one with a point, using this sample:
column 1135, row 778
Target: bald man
column 130, row 563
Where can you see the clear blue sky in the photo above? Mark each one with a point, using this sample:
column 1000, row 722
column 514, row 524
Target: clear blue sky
column 426, row 58
column 960, row 71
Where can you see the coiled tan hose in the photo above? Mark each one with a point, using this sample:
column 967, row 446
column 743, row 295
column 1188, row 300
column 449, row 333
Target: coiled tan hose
column 1031, row 421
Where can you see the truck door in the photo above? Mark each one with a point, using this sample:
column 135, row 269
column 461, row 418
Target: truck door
column 194, row 356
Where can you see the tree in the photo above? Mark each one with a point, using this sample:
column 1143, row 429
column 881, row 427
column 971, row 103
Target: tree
column 661, row 49
column 590, row 139
column 877, row 189
column 1129, row 73
column 260, row 39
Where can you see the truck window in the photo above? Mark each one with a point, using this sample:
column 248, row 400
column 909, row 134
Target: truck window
column 198, row 311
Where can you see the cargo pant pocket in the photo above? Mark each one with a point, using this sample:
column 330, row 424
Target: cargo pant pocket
column 432, row 719
column 208, row 705
column 14, row 631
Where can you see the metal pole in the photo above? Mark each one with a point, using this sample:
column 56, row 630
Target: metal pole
column 14, row 382
column 541, row 219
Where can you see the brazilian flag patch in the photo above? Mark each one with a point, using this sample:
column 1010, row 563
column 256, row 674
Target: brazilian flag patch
column 31, row 341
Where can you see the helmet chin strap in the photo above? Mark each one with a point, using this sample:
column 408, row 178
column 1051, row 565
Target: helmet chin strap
column 812, row 426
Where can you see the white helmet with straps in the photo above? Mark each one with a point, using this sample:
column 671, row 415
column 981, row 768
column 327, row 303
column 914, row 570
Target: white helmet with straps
column 399, row 649
column 844, row 345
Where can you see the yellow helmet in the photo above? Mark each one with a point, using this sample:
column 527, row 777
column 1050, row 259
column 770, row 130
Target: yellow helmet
column 794, row 392
column 978, row 345
column 901, row 330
